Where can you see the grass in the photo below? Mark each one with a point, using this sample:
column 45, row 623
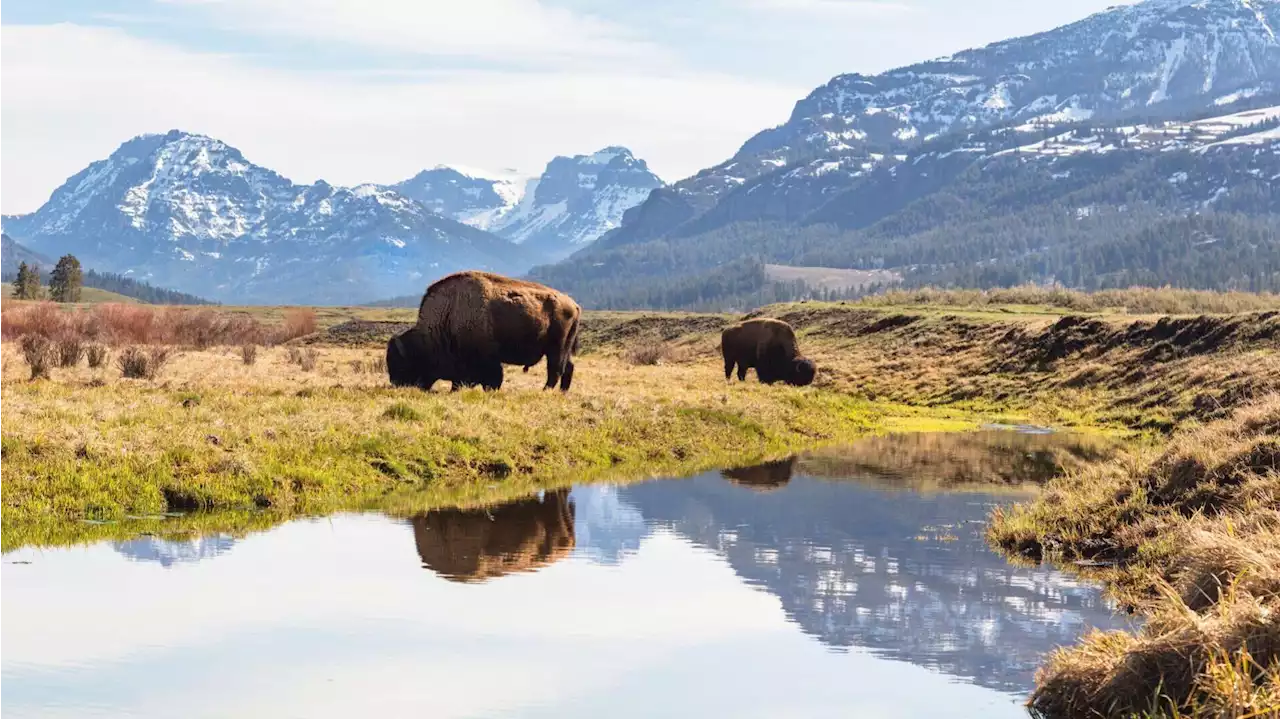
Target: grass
column 88, row 296
column 88, row 445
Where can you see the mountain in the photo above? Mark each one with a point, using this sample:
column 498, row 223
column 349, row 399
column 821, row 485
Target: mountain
column 571, row 204
column 1157, row 59
column 576, row 200
column 463, row 197
column 13, row 254
column 185, row 210
column 1136, row 146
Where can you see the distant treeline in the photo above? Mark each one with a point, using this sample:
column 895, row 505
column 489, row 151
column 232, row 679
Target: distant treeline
column 127, row 286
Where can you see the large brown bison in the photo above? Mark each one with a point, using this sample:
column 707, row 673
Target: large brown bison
column 769, row 345
column 472, row 323
column 475, row 545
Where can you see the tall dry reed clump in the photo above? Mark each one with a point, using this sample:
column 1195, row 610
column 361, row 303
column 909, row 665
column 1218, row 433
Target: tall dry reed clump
column 139, row 363
column 1194, row 532
column 70, row 350
column 38, row 352
column 97, row 355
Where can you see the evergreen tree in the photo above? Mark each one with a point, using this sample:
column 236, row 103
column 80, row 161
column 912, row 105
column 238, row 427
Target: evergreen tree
column 27, row 284
column 66, row 280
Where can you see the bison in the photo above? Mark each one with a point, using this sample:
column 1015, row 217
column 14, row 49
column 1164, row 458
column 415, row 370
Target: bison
column 762, row 477
column 769, row 345
column 476, row 545
column 472, row 323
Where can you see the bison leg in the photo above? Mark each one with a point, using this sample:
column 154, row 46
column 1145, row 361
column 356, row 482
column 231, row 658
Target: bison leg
column 742, row 372
column 728, row 368
column 555, row 363
column 566, row 379
column 491, row 377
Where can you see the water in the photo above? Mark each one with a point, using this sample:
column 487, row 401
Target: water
column 765, row 593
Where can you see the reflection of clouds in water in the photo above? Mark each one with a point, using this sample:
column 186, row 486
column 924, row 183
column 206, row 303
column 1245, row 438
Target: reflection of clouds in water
column 904, row 574
column 172, row 551
column 607, row 528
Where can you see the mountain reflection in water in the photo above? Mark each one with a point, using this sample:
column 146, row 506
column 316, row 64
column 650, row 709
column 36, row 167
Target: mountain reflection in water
column 876, row 546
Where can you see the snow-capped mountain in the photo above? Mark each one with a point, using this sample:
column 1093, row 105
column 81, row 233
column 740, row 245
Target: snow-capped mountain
column 468, row 197
column 188, row 211
column 570, row 205
column 576, row 200
column 1156, row 59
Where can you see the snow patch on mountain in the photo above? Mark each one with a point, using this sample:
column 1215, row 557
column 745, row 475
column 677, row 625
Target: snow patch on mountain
column 576, row 200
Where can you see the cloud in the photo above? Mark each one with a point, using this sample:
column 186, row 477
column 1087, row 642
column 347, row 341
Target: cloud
column 73, row 93
column 845, row 8
column 495, row 30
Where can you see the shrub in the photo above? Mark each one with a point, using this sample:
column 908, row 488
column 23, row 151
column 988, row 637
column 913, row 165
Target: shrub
column 651, row 352
column 40, row 318
column 37, row 350
column 137, row 363
column 70, row 350
column 304, row 358
column 249, row 354
column 297, row 323
column 97, row 355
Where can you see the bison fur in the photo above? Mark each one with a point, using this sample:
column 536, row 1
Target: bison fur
column 770, row 347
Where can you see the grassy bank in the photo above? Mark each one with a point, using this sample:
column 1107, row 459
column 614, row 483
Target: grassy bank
column 214, row 433
column 1188, row 535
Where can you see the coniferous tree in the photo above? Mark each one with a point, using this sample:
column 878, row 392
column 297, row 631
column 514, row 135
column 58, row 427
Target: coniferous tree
column 27, row 284
column 66, row 280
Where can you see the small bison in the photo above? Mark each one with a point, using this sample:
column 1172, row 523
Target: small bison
column 472, row 323
column 769, row 345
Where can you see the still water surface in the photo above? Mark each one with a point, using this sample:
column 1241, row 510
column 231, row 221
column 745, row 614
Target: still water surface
column 765, row 593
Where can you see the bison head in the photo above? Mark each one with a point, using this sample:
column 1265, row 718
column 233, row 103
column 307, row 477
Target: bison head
column 407, row 360
column 802, row 372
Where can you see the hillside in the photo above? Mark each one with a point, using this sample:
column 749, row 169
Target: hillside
column 1137, row 146
column 88, row 295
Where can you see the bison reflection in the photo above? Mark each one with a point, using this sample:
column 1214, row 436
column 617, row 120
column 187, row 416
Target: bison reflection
column 762, row 477
column 475, row 545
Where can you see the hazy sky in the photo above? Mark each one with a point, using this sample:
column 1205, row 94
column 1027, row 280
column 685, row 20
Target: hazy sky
column 375, row 90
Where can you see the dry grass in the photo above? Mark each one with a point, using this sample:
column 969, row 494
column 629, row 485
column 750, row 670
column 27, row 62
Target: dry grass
column 1191, row 537
column 1134, row 300
column 249, row 354
column 652, row 352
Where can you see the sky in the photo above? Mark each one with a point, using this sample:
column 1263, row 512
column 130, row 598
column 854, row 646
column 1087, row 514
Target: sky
column 356, row 91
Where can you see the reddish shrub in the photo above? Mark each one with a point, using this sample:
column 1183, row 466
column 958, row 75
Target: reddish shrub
column 298, row 322
column 40, row 318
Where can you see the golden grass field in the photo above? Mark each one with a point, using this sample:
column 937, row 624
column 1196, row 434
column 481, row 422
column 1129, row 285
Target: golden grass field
column 312, row 426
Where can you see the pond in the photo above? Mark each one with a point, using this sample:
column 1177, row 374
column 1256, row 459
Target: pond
column 854, row 584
